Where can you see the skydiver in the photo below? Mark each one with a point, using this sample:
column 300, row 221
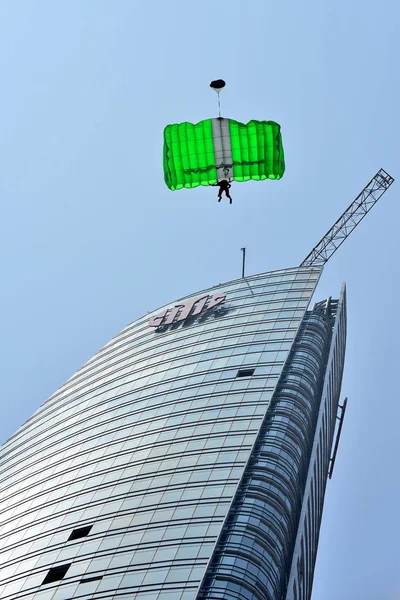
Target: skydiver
column 224, row 186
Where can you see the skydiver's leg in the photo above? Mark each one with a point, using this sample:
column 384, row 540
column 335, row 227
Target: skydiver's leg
column 220, row 194
column 228, row 196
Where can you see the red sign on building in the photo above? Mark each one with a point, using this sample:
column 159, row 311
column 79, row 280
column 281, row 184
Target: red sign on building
column 189, row 308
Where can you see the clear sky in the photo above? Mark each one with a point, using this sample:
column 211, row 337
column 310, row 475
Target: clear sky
column 91, row 238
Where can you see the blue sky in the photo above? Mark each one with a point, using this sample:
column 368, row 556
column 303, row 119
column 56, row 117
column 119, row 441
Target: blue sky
column 91, row 239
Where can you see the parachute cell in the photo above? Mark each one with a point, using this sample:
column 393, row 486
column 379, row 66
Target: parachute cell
column 221, row 149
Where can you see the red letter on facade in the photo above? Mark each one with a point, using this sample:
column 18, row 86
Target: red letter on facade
column 200, row 300
column 216, row 299
column 156, row 321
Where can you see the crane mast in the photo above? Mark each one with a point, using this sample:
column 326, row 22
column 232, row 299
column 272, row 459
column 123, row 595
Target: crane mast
column 349, row 220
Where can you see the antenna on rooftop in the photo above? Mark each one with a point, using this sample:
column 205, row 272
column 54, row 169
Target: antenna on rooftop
column 244, row 261
column 349, row 220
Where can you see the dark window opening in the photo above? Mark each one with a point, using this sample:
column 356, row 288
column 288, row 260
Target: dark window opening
column 80, row 532
column 56, row 573
column 91, row 579
column 245, row 372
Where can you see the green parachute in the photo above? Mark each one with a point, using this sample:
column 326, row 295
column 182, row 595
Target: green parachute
column 221, row 149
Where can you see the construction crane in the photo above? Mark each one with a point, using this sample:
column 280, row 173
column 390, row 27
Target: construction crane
column 349, row 220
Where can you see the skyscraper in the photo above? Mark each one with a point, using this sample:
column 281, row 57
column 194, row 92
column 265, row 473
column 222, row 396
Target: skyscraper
column 187, row 459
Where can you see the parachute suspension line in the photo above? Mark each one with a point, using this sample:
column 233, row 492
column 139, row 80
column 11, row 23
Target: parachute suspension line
column 217, row 85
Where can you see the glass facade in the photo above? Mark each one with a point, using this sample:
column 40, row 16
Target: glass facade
column 306, row 545
column 132, row 479
column 272, row 528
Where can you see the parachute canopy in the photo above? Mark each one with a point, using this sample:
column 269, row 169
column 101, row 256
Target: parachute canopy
column 215, row 149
